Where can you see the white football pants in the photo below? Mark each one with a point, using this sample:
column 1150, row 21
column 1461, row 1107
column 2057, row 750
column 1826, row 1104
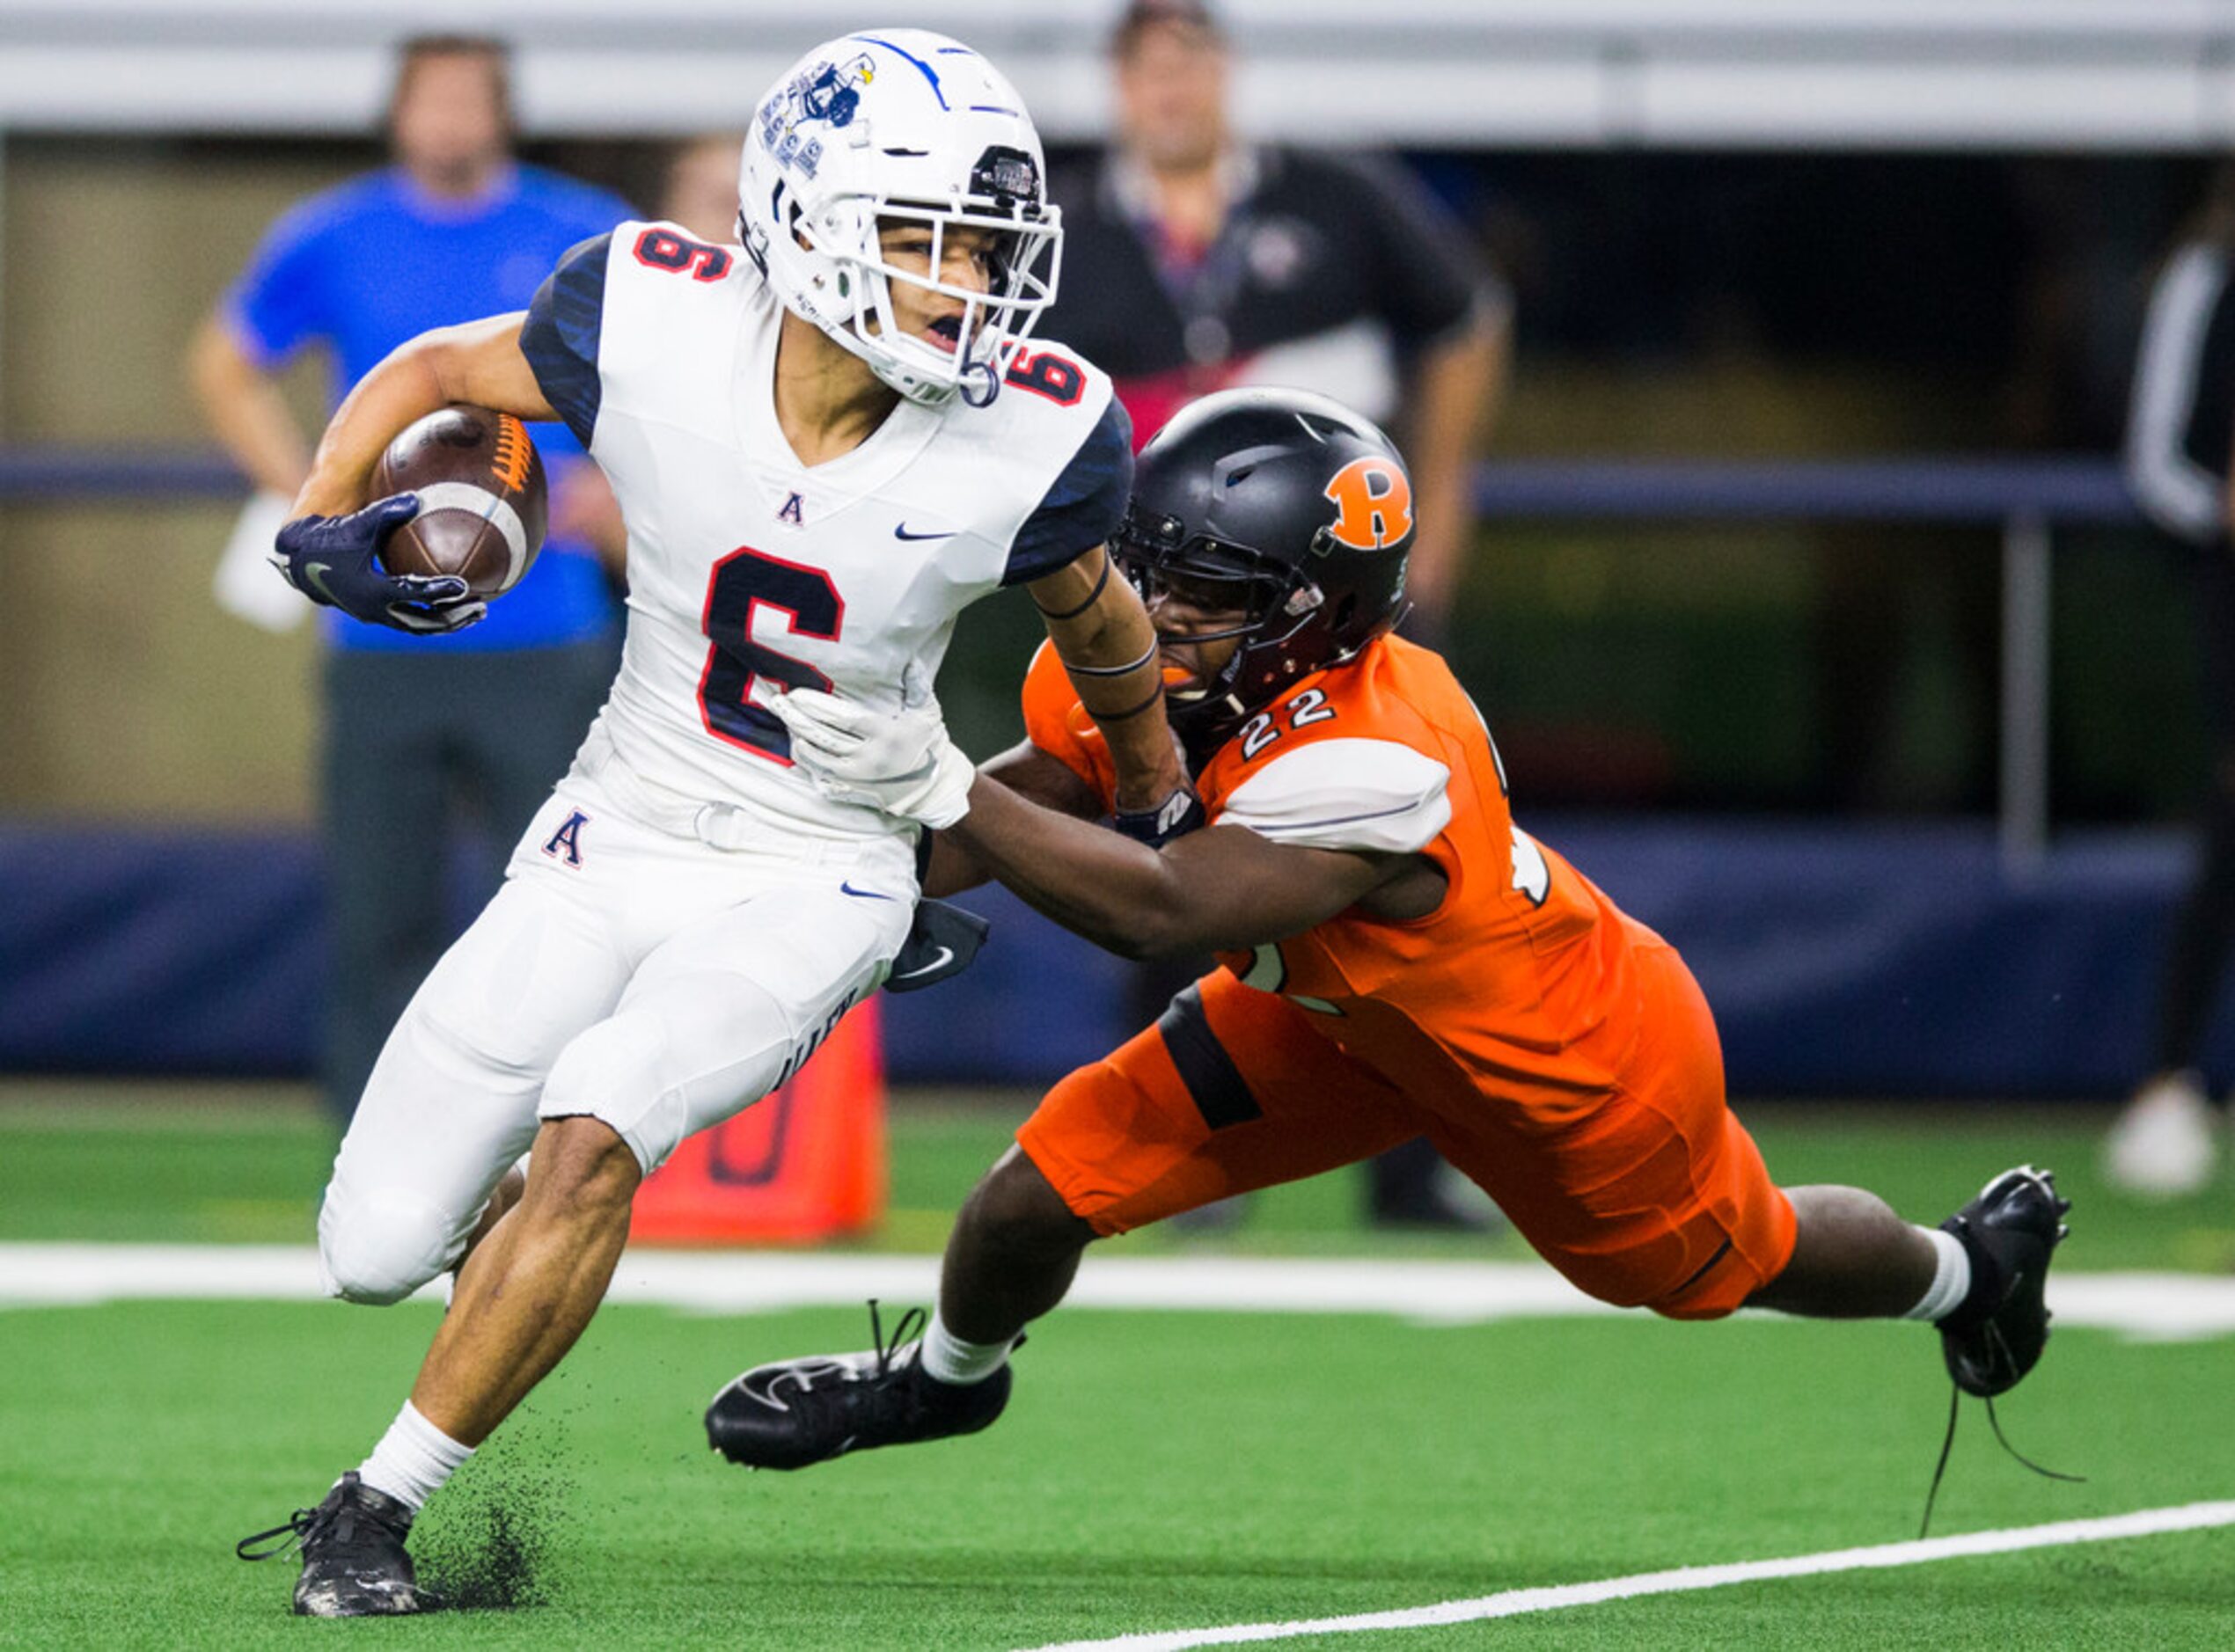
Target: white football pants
column 630, row 973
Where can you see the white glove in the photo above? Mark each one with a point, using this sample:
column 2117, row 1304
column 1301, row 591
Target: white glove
column 899, row 762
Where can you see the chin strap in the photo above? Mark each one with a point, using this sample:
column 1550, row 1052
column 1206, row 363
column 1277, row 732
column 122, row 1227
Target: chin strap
column 980, row 374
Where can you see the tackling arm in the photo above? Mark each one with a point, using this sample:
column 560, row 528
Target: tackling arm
column 478, row 362
column 1225, row 888
column 1032, row 774
column 1103, row 633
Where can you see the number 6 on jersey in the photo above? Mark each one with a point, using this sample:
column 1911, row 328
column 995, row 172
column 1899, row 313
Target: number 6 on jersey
column 743, row 582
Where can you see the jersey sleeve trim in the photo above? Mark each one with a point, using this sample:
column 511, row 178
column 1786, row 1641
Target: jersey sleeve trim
column 1363, row 794
column 1084, row 506
column 561, row 334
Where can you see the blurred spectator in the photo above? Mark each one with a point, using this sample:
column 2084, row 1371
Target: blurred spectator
column 417, row 726
column 2180, row 426
column 1193, row 261
column 699, row 191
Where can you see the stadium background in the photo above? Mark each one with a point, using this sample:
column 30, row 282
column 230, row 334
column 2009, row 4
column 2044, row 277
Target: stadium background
column 1811, row 614
column 1807, row 606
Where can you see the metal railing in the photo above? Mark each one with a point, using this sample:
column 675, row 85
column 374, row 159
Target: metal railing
column 2025, row 498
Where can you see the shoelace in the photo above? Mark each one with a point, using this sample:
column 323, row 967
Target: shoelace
column 907, row 1329
column 1947, row 1445
column 845, row 1392
column 292, row 1536
column 911, row 1329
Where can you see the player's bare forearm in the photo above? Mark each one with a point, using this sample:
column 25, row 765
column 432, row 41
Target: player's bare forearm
column 1038, row 776
column 1104, row 636
column 478, row 362
column 1225, row 888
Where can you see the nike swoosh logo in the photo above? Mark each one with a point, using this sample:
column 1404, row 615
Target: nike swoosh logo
column 316, row 572
column 901, row 532
column 865, row 895
column 946, row 956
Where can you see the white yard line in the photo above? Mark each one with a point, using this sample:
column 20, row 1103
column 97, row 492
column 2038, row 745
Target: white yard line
column 2158, row 1307
column 1513, row 1603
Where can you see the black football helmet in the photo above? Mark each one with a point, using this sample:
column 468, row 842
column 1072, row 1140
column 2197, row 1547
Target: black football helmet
column 1292, row 509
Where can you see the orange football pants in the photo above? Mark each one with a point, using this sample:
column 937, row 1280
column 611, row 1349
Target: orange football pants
column 1656, row 1197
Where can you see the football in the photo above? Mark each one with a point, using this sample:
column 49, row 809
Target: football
column 482, row 506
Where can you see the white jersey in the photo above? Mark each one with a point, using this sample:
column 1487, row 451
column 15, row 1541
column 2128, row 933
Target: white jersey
column 750, row 572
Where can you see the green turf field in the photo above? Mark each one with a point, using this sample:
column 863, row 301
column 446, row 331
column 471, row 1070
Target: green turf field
column 1158, row 1470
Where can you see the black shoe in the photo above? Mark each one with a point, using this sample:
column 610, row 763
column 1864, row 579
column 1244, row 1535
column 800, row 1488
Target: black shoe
column 802, row 1411
column 1221, row 1215
column 1407, row 1188
column 353, row 1564
column 2010, row 1231
column 1433, row 1212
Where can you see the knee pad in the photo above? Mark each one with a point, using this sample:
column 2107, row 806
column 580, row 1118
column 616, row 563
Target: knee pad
column 378, row 1248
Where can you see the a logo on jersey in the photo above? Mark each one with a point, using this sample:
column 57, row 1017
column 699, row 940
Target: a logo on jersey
column 1374, row 503
column 791, row 512
column 566, row 844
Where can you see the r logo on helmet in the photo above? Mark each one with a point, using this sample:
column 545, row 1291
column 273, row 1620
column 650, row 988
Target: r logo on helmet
column 1375, row 502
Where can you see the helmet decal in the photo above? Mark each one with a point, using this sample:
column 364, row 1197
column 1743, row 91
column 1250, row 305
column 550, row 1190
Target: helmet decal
column 830, row 94
column 827, row 94
column 1373, row 504
column 1009, row 177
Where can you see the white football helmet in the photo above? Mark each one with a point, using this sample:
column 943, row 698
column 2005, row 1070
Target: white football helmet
column 899, row 124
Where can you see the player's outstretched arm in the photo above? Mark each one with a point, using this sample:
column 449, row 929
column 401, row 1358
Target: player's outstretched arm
column 1104, row 636
column 1032, row 774
column 478, row 362
column 1225, row 888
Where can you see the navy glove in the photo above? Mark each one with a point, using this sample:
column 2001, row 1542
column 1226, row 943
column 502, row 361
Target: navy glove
column 1176, row 816
column 334, row 561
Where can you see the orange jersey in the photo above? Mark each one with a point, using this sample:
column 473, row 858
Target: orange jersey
column 1522, row 985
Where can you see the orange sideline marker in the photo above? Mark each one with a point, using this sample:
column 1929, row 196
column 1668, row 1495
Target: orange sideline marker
column 806, row 1162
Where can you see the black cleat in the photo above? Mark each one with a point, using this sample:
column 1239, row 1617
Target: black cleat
column 353, row 1564
column 2011, row 1231
column 801, row 1410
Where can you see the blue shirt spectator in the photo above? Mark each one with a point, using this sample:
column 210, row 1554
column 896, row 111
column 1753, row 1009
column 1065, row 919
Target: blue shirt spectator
column 378, row 260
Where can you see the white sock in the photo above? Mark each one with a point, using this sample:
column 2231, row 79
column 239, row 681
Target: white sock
column 413, row 1459
column 1950, row 1279
column 947, row 1358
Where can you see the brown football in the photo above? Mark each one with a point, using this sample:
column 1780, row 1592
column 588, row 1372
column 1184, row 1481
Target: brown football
column 482, row 508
